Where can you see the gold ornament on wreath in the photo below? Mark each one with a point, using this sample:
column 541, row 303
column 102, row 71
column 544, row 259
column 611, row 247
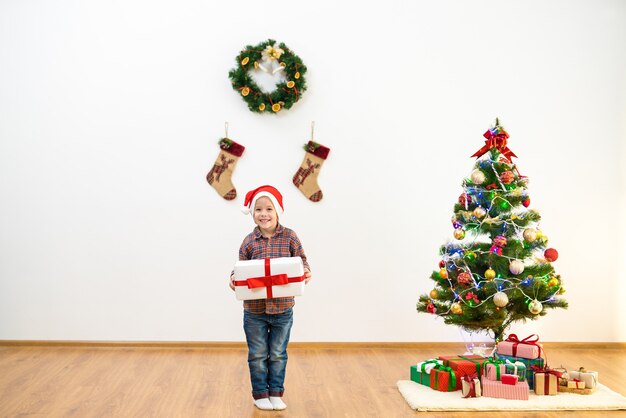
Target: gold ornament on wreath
column 271, row 58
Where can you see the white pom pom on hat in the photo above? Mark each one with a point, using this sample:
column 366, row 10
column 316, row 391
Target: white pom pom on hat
column 268, row 191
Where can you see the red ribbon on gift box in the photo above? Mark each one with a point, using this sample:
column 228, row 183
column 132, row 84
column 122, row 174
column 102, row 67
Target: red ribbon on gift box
column 268, row 280
column 546, row 381
column 577, row 381
column 470, row 379
column 528, row 340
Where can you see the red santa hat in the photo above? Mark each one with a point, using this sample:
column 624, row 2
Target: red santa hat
column 268, row 191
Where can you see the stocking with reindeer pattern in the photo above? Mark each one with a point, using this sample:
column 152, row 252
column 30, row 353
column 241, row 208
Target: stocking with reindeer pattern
column 220, row 176
column 305, row 178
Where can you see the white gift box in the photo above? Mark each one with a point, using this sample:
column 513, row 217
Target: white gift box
column 269, row 278
column 589, row 377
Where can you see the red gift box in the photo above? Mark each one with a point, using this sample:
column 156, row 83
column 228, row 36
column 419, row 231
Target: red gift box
column 443, row 379
column 464, row 365
column 509, row 379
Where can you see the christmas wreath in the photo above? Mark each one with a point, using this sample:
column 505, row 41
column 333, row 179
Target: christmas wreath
column 274, row 60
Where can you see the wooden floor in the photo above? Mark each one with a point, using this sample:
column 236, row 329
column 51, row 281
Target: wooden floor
column 340, row 381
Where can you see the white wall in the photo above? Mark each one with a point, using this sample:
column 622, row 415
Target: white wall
column 110, row 112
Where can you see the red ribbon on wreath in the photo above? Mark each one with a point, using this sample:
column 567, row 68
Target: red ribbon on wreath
column 496, row 138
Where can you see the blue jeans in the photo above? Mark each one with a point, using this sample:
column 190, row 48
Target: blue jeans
column 267, row 336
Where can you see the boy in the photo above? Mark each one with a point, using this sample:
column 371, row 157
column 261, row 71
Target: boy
column 267, row 322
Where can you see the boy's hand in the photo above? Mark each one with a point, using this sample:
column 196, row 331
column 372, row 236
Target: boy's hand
column 307, row 275
column 231, row 284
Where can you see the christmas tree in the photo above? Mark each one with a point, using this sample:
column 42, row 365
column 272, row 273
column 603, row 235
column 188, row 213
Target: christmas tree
column 497, row 270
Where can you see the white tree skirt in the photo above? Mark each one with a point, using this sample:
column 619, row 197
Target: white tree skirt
column 423, row 398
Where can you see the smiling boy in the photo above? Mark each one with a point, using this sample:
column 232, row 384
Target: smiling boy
column 267, row 322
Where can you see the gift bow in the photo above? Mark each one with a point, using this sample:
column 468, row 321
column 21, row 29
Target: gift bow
column 432, row 363
column 512, row 338
column 496, row 138
column 496, row 364
column 268, row 280
column 515, row 365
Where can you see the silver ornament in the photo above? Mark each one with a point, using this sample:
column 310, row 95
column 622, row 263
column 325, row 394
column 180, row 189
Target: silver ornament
column 500, row 299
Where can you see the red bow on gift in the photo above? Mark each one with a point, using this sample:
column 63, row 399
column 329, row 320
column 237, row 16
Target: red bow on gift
column 496, row 138
column 472, row 386
column 268, row 280
column 528, row 340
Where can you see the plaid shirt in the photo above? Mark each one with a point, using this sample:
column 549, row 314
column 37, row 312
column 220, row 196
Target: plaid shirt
column 284, row 243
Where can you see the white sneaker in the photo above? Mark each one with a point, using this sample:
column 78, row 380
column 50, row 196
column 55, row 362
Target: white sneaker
column 263, row 404
column 277, row 403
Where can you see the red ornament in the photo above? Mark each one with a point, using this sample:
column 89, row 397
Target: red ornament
column 507, row 177
column 442, row 264
column 526, row 202
column 465, row 199
column 464, row 278
column 551, row 254
column 499, row 241
column 431, row 308
column 495, row 249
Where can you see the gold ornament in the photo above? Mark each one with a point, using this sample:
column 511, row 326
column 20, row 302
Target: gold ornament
column 290, row 84
column 530, row 234
column 262, row 107
column 245, row 91
column 456, row 308
column 275, row 107
column 434, row 294
column 490, row 274
column 245, row 60
column 553, row 282
column 459, row 234
column 479, row 212
column 539, row 234
column 296, row 75
column 282, row 64
column 535, row 307
column 256, row 65
column 443, row 273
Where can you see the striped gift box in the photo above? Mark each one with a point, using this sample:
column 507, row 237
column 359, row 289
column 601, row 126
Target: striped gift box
column 497, row 389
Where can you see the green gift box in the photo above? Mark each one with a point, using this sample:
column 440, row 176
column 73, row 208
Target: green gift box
column 420, row 373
